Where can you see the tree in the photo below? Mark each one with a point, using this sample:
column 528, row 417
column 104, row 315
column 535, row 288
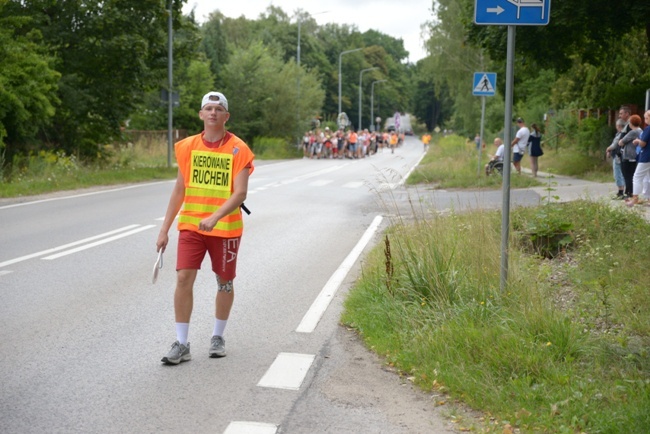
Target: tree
column 109, row 53
column 28, row 86
column 264, row 96
column 452, row 65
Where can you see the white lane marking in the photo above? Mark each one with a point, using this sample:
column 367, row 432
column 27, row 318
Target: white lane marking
column 387, row 186
column 320, row 305
column 403, row 180
column 83, row 194
column 240, row 427
column 321, row 182
column 299, row 178
column 65, row 246
column 5, row 272
column 97, row 243
column 355, row 184
column 287, row 371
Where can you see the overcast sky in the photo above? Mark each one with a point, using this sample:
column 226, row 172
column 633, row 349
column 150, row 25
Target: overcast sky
column 400, row 19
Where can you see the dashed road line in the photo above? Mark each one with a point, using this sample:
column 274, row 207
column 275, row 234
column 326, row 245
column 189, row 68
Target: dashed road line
column 65, row 246
column 354, row 184
column 97, row 243
column 241, row 427
column 287, row 371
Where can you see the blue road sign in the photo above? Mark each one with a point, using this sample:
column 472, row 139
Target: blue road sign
column 512, row 12
column 485, row 83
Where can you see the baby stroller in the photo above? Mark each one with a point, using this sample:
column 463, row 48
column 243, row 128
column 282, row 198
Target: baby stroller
column 494, row 166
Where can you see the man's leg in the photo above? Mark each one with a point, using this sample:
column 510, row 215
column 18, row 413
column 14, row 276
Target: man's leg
column 223, row 304
column 184, row 295
column 183, row 303
column 224, row 300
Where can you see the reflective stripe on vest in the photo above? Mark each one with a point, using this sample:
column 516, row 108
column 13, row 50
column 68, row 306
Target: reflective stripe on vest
column 221, row 224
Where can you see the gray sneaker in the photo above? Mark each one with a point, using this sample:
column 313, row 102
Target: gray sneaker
column 217, row 347
column 177, row 354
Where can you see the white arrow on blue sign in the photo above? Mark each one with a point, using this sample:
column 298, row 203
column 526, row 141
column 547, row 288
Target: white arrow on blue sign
column 485, row 83
column 512, row 12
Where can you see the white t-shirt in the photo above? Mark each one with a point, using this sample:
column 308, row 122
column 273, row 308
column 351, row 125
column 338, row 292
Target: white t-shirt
column 500, row 150
column 523, row 134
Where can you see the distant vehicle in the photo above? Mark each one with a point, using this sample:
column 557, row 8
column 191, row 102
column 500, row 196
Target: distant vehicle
column 404, row 127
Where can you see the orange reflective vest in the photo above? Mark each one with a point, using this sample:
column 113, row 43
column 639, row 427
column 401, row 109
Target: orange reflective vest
column 209, row 175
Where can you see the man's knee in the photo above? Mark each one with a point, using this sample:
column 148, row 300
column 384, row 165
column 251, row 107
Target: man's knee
column 224, row 285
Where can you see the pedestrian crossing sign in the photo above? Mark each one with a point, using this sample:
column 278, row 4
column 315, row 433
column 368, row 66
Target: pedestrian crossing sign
column 484, row 83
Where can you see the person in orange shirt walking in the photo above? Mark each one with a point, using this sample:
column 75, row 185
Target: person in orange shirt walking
column 394, row 140
column 211, row 186
column 353, row 139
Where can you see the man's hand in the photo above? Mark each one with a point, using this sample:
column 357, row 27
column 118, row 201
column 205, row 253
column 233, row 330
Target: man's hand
column 207, row 224
column 162, row 241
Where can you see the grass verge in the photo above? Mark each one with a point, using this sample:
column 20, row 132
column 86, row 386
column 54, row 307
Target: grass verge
column 564, row 349
column 47, row 172
column 452, row 162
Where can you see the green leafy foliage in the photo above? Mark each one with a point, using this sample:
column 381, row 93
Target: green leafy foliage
column 28, row 85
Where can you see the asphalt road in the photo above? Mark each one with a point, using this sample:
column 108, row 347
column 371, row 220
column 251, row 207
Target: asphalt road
column 83, row 328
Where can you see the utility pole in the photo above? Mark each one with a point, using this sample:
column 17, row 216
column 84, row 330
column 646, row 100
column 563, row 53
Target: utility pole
column 359, row 127
column 340, row 59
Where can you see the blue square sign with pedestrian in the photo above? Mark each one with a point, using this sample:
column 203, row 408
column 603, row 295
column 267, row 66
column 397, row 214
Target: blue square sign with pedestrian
column 512, row 12
column 485, row 83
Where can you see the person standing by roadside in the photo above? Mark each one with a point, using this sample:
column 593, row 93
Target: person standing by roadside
column 643, row 166
column 212, row 183
column 614, row 151
column 628, row 153
column 535, row 148
column 519, row 144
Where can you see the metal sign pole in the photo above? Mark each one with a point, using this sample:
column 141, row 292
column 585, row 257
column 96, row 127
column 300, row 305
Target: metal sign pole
column 480, row 145
column 507, row 139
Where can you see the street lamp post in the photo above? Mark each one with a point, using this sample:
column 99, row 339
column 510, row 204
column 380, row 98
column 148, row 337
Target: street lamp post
column 298, row 73
column 170, row 80
column 372, row 102
column 360, row 92
column 340, row 58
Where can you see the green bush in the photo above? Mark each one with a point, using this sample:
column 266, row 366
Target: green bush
column 273, row 148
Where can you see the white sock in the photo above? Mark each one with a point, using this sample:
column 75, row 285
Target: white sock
column 219, row 327
column 182, row 330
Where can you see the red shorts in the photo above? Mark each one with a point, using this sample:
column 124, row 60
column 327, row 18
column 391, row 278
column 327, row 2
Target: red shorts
column 223, row 253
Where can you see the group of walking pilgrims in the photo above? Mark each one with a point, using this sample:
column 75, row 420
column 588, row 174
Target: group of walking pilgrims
column 348, row 144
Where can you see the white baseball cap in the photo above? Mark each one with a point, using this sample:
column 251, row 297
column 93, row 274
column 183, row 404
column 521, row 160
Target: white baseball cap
column 214, row 98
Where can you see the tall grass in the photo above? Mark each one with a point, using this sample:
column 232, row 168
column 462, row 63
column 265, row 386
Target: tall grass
column 564, row 349
column 47, row 171
column 452, row 162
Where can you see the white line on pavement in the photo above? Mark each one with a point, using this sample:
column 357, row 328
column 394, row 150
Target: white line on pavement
column 287, row 371
column 240, row 427
column 65, row 246
column 320, row 182
column 319, row 306
column 354, row 184
column 97, row 243
column 82, row 194
column 403, row 180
